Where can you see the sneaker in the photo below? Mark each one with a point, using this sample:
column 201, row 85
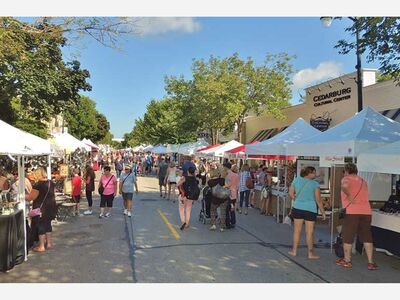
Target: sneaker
column 125, row 211
column 245, row 212
column 87, row 212
column 213, row 227
column 240, row 211
column 101, row 216
column 129, row 214
column 222, row 229
column 107, row 215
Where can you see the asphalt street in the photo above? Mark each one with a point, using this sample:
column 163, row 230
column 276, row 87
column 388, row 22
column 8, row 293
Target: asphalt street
column 150, row 248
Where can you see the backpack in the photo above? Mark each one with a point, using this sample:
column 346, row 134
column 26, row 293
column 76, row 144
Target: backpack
column 191, row 188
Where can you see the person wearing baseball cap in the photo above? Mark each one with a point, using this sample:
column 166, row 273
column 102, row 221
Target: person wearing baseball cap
column 126, row 183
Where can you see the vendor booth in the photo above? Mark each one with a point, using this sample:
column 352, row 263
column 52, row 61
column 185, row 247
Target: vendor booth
column 386, row 220
column 13, row 246
column 364, row 131
column 277, row 146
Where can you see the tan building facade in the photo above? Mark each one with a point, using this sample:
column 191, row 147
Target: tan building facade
column 330, row 103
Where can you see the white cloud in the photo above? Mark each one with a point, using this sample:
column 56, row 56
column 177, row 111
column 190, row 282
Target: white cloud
column 162, row 25
column 324, row 71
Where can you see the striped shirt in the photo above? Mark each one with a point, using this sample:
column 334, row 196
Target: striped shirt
column 243, row 176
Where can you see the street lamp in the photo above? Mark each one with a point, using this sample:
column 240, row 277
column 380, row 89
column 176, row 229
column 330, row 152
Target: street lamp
column 327, row 21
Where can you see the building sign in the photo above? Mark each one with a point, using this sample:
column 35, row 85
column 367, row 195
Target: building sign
column 332, row 97
column 320, row 123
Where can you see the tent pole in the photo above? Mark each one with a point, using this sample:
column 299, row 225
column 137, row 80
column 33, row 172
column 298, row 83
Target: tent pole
column 21, row 193
column 49, row 167
column 333, row 203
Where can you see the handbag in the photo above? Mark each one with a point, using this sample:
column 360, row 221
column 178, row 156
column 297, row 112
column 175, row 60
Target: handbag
column 101, row 188
column 342, row 211
column 338, row 246
column 37, row 211
column 249, row 183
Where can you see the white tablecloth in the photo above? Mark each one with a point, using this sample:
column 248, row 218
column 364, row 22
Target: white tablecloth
column 385, row 221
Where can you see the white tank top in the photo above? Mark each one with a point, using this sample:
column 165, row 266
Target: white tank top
column 172, row 175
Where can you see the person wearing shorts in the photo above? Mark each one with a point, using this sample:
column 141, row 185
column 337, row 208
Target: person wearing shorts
column 162, row 174
column 76, row 190
column 127, row 181
column 357, row 221
column 305, row 194
column 109, row 182
column 171, row 181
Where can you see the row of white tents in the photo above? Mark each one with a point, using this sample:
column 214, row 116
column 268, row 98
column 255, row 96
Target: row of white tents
column 368, row 136
column 21, row 144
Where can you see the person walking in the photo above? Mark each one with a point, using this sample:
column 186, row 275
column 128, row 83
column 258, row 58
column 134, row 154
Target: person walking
column 266, row 192
column 76, row 190
column 244, row 191
column 43, row 197
column 119, row 166
column 89, row 178
column 232, row 183
column 109, row 183
column 188, row 163
column 217, row 200
column 357, row 220
column 305, row 194
column 162, row 174
column 171, row 180
column 126, row 183
column 189, row 191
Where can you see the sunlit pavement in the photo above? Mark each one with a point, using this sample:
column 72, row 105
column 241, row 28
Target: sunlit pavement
column 150, row 247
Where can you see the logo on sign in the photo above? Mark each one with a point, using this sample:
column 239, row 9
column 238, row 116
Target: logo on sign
column 321, row 123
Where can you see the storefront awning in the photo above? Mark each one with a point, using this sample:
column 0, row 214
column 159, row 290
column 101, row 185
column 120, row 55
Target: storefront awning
column 265, row 134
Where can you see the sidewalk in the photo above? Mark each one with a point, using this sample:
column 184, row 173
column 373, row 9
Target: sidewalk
column 78, row 256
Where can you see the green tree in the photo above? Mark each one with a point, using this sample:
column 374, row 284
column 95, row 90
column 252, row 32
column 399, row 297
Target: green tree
column 81, row 119
column 32, row 69
column 103, row 127
column 223, row 92
column 380, row 39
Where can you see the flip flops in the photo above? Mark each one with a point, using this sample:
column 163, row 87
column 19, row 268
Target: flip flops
column 372, row 266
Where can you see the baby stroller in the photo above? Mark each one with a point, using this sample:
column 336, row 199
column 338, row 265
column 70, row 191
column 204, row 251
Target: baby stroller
column 205, row 205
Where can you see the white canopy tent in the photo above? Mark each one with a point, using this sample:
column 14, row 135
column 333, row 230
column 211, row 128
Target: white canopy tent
column 385, row 159
column 366, row 130
column 172, row 148
column 138, row 148
column 90, row 143
column 220, row 151
column 21, row 144
column 69, row 143
column 277, row 145
column 191, row 147
column 148, row 148
column 160, row 149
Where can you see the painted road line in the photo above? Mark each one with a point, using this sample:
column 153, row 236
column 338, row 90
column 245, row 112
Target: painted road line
column 169, row 225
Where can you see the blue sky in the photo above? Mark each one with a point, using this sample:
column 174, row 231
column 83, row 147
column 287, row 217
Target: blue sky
column 124, row 82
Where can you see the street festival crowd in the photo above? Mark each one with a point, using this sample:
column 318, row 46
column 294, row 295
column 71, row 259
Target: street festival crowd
column 224, row 186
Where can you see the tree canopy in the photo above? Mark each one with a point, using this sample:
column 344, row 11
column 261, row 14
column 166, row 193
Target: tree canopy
column 220, row 95
column 380, row 39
